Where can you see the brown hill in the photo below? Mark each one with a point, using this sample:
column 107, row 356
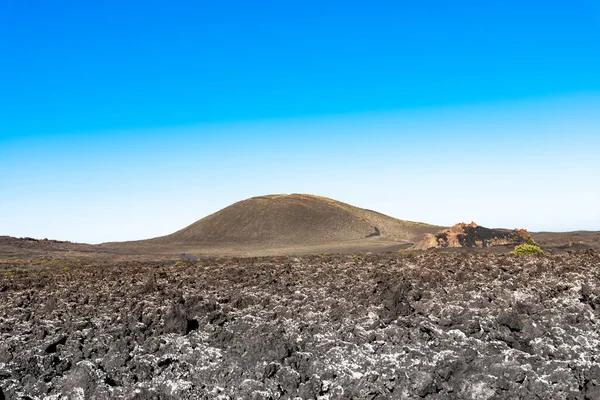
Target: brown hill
column 292, row 220
column 473, row 235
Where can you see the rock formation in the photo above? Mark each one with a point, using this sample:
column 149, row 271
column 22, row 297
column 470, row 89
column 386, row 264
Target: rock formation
column 473, row 235
column 434, row 326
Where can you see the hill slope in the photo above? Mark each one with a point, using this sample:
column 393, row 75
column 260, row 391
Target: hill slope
column 296, row 219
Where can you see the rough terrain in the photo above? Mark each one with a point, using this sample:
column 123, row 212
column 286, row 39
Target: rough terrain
column 397, row 326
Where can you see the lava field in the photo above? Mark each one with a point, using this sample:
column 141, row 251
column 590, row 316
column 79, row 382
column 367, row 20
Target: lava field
column 388, row 326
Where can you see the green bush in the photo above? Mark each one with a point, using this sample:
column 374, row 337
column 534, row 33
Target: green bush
column 526, row 249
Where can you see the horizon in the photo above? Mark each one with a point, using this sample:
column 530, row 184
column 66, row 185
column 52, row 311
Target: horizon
column 120, row 122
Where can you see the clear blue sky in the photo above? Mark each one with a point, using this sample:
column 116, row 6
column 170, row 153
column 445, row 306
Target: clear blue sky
column 126, row 121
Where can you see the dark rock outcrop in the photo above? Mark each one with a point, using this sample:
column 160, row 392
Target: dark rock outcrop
column 472, row 235
column 427, row 326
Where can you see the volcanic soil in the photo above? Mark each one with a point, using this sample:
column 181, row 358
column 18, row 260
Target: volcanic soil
column 286, row 224
column 388, row 326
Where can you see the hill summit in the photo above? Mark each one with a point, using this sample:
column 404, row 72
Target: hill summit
column 294, row 219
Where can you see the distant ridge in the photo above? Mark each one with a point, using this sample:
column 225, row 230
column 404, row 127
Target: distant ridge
column 291, row 220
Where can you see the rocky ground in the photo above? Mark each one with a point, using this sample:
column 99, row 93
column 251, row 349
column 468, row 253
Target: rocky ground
column 433, row 326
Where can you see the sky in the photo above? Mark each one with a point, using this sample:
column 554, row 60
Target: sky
column 130, row 120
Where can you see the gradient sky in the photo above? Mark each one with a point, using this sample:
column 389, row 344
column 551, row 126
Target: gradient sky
column 128, row 121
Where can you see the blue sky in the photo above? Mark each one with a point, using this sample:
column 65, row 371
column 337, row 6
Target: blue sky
column 127, row 121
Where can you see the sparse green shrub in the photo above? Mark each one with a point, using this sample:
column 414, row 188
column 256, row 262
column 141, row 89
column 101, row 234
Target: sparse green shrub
column 526, row 249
